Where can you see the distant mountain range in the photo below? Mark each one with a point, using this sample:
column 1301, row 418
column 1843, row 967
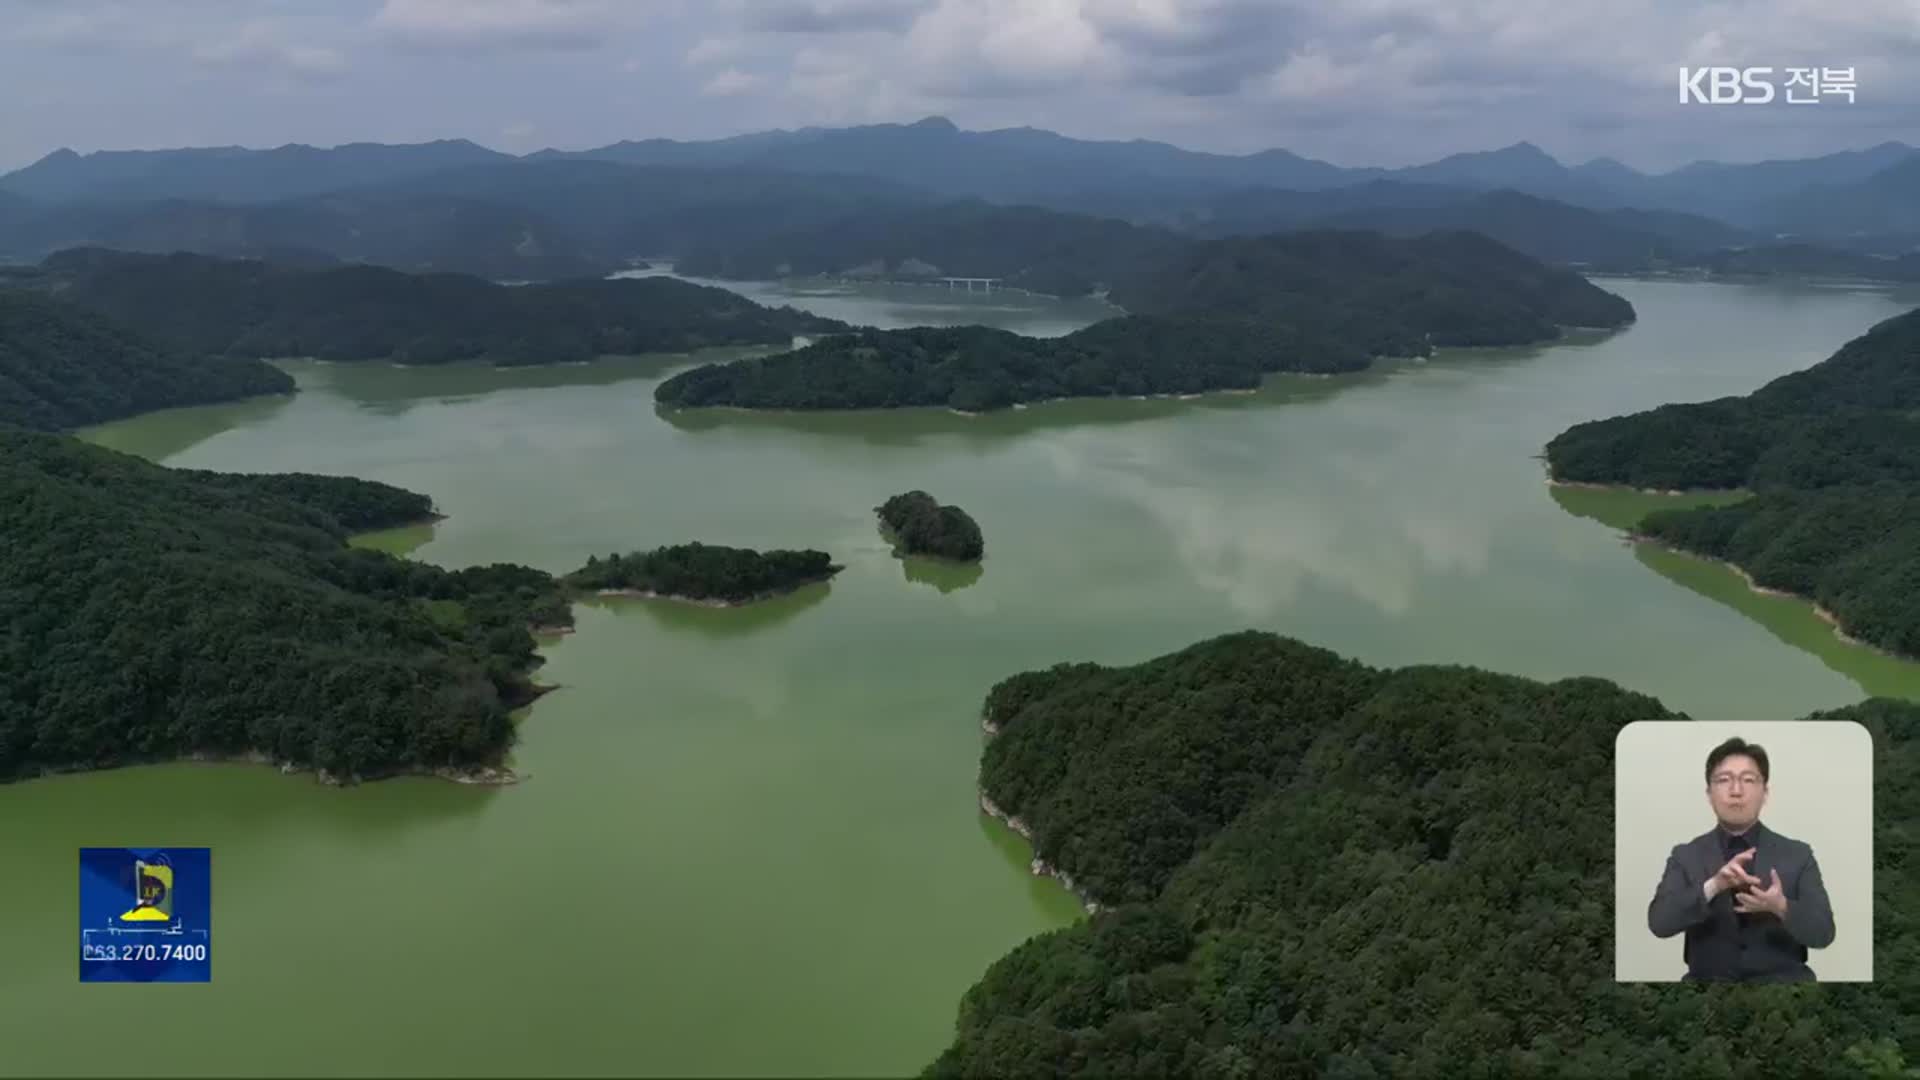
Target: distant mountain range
column 456, row 205
column 233, row 173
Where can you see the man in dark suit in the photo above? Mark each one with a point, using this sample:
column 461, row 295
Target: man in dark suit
column 1749, row 899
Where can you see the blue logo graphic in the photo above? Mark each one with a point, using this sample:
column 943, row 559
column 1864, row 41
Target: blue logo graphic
column 146, row 915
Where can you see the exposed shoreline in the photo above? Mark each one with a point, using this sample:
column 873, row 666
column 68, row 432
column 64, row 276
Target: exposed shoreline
column 1373, row 364
column 478, row 775
column 1039, row 867
column 475, row 775
column 1823, row 614
column 712, row 602
column 1592, row 486
column 1819, row 612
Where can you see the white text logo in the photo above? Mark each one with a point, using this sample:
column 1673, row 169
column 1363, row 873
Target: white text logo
column 1756, row 85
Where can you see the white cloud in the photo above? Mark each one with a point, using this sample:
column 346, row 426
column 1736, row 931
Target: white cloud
column 827, row 16
column 472, row 25
column 265, row 46
column 730, row 82
column 1358, row 82
column 717, row 50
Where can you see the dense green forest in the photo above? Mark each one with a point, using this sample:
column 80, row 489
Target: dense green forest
column 1832, row 454
column 922, row 526
column 705, row 572
column 1221, row 319
column 1853, row 551
column 250, row 308
column 150, row 613
column 1029, row 248
column 1389, row 295
column 978, row 368
column 63, row 367
column 1311, row 867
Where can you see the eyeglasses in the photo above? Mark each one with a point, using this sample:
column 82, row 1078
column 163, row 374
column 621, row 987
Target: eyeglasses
column 1745, row 779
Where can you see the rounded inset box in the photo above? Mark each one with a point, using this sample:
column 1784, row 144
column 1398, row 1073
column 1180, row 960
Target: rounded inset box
column 1743, row 852
column 146, row 915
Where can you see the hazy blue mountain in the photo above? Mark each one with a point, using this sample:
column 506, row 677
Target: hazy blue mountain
column 405, row 231
column 1886, row 201
column 1512, row 166
column 1607, row 172
column 732, row 150
column 1028, row 247
column 1068, row 254
column 642, row 210
column 1262, row 209
column 232, row 173
column 664, row 193
column 1017, row 164
column 1152, row 181
column 15, row 210
column 1756, row 193
column 1554, row 231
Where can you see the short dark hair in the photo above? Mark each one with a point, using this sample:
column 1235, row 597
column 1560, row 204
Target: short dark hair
column 1738, row 745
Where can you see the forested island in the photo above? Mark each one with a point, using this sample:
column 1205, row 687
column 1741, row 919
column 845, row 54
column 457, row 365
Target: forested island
column 249, row 308
column 1307, row 866
column 62, row 367
column 706, row 573
column 1223, row 315
column 153, row 614
column 921, row 526
column 1832, row 455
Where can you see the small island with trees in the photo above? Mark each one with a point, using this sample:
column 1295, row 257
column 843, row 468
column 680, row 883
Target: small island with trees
column 704, row 573
column 919, row 525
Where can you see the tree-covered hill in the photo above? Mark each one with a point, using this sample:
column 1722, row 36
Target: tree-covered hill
column 922, row 526
column 1832, row 454
column 62, row 366
column 415, row 232
column 255, row 309
column 1311, row 867
column 1027, row 247
column 1444, row 288
column 978, row 368
column 1221, row 315
column 707, row 572
column 148, row 613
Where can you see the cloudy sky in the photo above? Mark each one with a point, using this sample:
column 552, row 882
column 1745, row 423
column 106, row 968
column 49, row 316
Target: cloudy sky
column 1356, row 82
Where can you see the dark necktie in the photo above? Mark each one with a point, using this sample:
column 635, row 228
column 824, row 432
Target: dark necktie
column 1736, row 845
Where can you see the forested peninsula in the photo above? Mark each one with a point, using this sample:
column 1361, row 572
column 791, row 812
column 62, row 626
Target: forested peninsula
column 921, row 526
column 152, row 614
column 1214, row 315
column 62, row 367
column 1307, row 866
column 248, row 308
column 1832, row 457
column 705, row 573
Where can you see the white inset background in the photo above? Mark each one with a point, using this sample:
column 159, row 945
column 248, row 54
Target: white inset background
column 1820, row 792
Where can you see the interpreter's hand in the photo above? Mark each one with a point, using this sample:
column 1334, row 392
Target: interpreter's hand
column 1733, row 877
column 1770, row 900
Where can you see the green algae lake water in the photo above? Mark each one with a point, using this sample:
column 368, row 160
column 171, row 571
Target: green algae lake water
column 749, row 842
